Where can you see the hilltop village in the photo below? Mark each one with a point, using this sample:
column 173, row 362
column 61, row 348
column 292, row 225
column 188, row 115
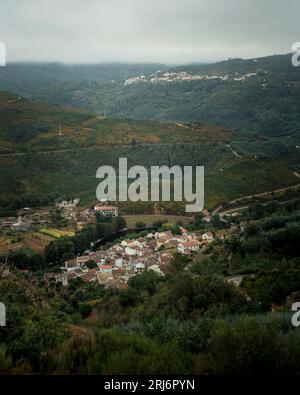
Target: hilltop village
column 184, row 76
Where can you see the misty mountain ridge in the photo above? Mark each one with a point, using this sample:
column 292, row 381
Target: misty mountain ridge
column 258, row 95
column 27, row 78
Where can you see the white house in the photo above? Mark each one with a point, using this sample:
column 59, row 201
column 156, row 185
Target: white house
column 208, row 236
column 130, row 251
column 155, row 268
column 106, row 269
column 70, row 265
column 184, row 231
column 119, row 260
column 188, row 246
column 139, row 267
column 107, row 210
column 81, row 260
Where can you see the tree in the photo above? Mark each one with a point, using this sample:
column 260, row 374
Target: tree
column 57, row 248
column 176, row 230
column 179, row 262
column 217, row 222
column 128, row 297
column 120, row 223
column 249, row 347
column 24, row 261
column 84, row 309
column 5, row 360
column 146, row 281
column 91, row 264
column 140, row 224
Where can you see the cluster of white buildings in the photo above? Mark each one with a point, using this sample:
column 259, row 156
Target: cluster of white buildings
column 243, row 77
column 115, row 266
column 23, row 223
column 67, row 204
column 81, row 217
column 68, row 209
column 184, row 76
column 106, row 209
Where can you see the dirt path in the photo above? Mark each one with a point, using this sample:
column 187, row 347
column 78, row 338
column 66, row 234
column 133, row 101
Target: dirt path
column 257, row 195
column 242, row 208
column 14, row 154
column 296, row 174
column 49, row 152
column 234, row 152
column 182, row 125
column 232, row 210
column 14, row 100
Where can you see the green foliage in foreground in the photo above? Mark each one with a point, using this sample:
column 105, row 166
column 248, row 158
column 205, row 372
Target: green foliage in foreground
column 140, row 339
column 190, row 321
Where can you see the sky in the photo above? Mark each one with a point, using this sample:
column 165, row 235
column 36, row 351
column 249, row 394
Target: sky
column 165, row 31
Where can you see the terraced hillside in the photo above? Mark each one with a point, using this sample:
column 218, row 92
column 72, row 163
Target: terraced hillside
column 50, row 152
column 28, row 125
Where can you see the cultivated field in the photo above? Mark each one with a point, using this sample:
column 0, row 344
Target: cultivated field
column 132, row 220
column 57, row 233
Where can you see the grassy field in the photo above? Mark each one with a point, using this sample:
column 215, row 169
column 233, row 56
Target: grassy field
column 5, row 243
column 132, row 220
column 32, row 241
column 36, row 241
column 57, row 233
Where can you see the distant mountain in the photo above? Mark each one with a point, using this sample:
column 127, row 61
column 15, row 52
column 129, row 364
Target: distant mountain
column 28, row 78
column 257, row 95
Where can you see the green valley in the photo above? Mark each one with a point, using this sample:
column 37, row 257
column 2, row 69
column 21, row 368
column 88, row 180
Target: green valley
column 51, row 152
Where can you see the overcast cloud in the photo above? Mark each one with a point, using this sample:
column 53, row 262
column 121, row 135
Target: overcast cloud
column 169, row 31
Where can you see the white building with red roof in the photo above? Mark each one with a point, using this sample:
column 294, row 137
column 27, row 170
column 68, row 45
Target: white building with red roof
column 187, row 247
column 108, row 210
column 105, row 269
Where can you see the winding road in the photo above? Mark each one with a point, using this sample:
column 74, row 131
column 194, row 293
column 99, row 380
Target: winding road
column 228, row 211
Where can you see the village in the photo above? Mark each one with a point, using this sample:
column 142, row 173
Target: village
column 36, row 227
column 117, row 264
column 109, row 265
column 184, row 76
column 27, row 217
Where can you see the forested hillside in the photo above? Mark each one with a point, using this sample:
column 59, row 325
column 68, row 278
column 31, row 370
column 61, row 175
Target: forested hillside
column 27, row 78
column 193, row 320
column 50, row 152
column 259, row 95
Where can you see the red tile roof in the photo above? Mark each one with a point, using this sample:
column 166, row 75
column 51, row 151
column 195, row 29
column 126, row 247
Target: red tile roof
column 192, row 243
column 106, row 267
column 105, row 208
